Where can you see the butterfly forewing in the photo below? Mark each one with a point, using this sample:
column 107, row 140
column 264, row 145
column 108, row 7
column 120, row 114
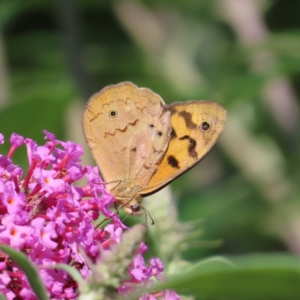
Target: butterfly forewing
column 121, row 125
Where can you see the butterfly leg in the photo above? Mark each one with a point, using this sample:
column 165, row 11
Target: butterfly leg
column 116, row 207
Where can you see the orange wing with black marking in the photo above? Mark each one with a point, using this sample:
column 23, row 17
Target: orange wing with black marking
column 196, row 127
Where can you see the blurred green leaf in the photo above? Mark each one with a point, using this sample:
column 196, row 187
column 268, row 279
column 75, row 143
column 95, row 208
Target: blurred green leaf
column 250, row 277
column 2, row 297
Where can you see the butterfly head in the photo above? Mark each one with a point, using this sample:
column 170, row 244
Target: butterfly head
column 131, row 206
column 127, row 194
column 133, row 209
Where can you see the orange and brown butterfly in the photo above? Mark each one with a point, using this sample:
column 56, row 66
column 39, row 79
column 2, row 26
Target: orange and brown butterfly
column 141, row 144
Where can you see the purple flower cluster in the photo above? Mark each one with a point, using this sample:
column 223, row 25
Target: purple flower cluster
column 46, row 216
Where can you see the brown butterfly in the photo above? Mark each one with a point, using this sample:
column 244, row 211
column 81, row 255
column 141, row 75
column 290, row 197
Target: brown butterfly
column 141, row 144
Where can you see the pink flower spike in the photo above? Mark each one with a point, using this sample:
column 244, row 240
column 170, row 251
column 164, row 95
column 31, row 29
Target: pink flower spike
column 1, row 139
column 12, row 200
column 115, row 234
column 30, row 145
column 49, row 136
column 16, row 141
column 139, row 270
column 142, row 248
column 73, row 149
column 47, row 215
column 63, row 162
column 4, row 281
column 171, row 295
column 14, row 235
column 48, row 183
column 157, row 265
column 71, row 153
column 9, row 171
column 74, row 173
column 27, row 293
column 30, row 172
column 45, row 234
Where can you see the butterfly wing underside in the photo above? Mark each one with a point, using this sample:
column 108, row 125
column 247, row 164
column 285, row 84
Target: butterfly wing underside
column 120, row 125
column 196, row 126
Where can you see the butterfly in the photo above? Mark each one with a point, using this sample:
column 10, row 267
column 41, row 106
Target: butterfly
column 142, row 144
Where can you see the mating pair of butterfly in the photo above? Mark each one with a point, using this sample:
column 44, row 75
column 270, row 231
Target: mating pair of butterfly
column 141, row 144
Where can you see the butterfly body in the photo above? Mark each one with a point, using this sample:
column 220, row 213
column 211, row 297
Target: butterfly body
column 128, row 194
column 141, row 144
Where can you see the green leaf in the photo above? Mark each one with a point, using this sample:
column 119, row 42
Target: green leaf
column 29, row 269
column 248, row 277
column 2, row 297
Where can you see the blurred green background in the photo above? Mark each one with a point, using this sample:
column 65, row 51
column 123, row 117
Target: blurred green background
column 243, row 54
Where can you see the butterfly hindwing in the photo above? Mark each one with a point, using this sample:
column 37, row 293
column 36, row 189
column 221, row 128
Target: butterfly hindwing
column 196, row 126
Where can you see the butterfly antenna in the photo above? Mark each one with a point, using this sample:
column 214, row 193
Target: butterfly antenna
column 146, row 233
column 125, row 218
column 147, row 213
